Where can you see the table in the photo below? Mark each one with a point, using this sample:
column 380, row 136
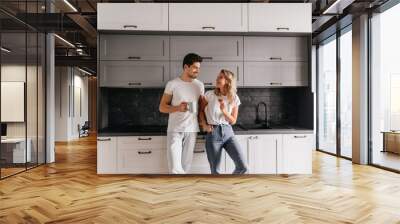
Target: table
column 391, row 141
column 13, row 150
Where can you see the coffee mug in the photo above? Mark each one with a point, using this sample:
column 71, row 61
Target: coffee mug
column 192, row 107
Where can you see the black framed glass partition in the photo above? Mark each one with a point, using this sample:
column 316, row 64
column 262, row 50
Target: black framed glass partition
column 385, row 89
column 22, row 78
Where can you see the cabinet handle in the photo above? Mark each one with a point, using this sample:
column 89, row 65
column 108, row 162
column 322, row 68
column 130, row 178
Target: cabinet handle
column 202, row 137
column 300, row 136
column 103, row 139
column 208, row 27
column 202, row 151
column 134, row 57
column 208, row 84
column 282, row 28
column 207, row 58
column 146, row 152
column 130, row 26
column 144, row 139
column 276, row 58
column 275, row 83
column 135, row 83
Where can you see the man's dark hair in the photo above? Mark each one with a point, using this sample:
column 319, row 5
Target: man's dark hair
column 191, row 58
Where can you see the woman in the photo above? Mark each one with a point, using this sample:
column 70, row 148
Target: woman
column 220, row 107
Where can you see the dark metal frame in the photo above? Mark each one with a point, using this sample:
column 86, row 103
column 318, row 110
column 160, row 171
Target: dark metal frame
column 337, row 36
column 380, row 9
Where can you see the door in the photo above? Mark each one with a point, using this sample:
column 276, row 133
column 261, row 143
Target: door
column 210, row 48
column 132, row 16
column 257, row 48
column 273, row 17
column 271, row 74
column 133, row 73
column 263, row 153
column 200, row 163
column 106, row 155
column 296, row 154
column 210, row 70
column 208, row 17
column 133, row 47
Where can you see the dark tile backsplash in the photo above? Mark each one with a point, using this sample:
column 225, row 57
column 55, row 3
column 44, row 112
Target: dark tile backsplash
column 128, row 107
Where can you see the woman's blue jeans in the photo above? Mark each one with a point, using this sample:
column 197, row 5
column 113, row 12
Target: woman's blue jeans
column 223, row 137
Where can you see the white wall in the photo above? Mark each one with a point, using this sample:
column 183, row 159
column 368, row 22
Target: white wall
column 71, row 93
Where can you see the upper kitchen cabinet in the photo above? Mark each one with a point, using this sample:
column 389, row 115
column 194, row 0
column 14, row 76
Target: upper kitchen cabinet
column 210, row 70
column 134, row 47
column 210, row 48
column 279, row 74
column 133, row 73
column 208, row 17
column 258, row 48
column 280, row 17
column 132, row 16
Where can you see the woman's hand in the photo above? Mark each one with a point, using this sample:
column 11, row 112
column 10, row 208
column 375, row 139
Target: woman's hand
column 222, row 106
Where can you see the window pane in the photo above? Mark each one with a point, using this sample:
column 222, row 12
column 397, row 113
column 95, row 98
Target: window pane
column 327, row 97
column 346, row 94
column 385, row 89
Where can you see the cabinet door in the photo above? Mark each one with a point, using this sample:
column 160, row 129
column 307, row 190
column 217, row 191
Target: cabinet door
column 229, row 164
column 259, row 74
column 273, row 17
column 200, row 163
column 106, row 155
column 296, row 155
column 210, row 70
column 133, row 73
column 208, row 17
column 133, row 47
column 275, row 49
column 146, row 156
column 263, row 154
column 132, row 16
column 211, row 48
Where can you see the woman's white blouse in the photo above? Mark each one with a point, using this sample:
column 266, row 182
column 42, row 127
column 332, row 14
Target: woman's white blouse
column 213, row 112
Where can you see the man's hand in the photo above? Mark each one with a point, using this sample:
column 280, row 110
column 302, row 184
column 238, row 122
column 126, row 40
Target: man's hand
column 208, row 128
column 183, row 107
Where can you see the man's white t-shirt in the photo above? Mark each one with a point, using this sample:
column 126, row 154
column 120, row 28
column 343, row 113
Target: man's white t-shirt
column 182, row 91
column 213, row 111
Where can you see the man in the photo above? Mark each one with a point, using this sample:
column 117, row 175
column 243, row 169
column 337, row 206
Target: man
column 180, row 101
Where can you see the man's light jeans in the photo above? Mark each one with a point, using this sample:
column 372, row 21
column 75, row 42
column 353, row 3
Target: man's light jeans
column 180, row 147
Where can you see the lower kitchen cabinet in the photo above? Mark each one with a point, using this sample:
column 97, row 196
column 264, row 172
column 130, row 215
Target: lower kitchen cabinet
column 106, row 155
column 296, row 154
column 142, row 155
column 263, row 151
column 200, row 163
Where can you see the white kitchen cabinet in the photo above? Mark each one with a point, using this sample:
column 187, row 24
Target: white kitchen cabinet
column 260, row 48
column 133, row 73
column 280, row 17
column 229, row 164
column 142, row 155
column 270, row 74
column 200, row 163
column 296, row 154
column 210, row 70
column 106, row 155
column 208, row 17
column 263, row 151
column 132, row 16
column 134, row 47
column 210, row 48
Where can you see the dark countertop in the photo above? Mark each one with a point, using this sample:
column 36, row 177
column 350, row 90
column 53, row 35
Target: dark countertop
column 238, row 129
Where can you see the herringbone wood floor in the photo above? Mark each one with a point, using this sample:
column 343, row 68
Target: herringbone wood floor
column 69, row 191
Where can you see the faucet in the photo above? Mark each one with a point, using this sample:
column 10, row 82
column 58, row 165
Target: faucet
column 258, row 120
